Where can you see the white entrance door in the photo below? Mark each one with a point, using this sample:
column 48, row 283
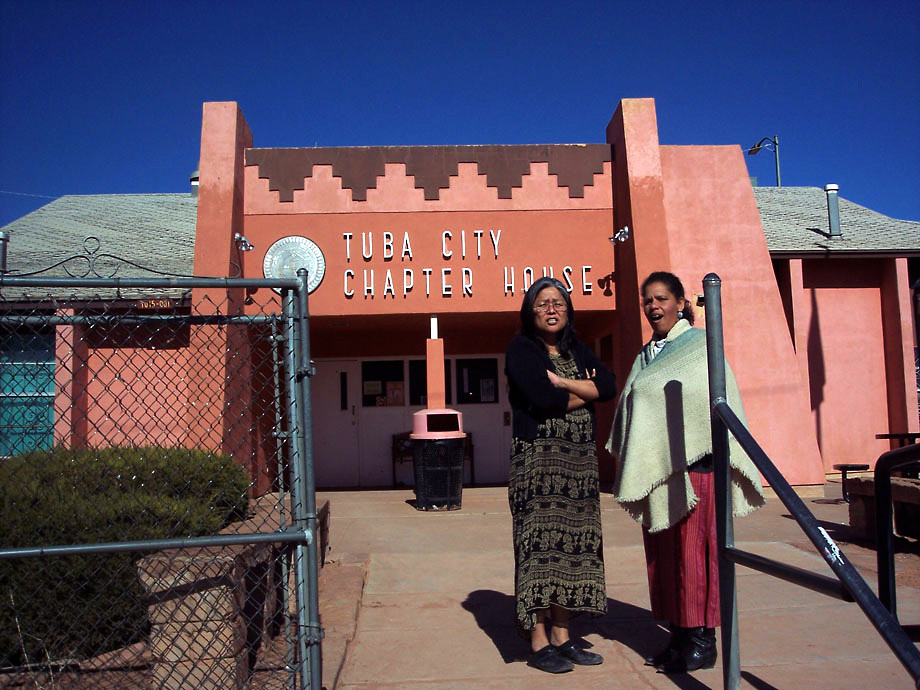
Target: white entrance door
column 336, row 405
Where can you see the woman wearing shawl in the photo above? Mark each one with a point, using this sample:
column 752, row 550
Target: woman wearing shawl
column 662, row 440
column 553, row 491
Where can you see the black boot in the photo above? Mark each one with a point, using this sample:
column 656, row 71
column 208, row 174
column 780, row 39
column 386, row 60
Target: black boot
column 699, row 652
column 675, row 644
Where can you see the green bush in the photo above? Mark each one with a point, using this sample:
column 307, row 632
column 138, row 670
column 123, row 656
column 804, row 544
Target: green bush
column 67, row 607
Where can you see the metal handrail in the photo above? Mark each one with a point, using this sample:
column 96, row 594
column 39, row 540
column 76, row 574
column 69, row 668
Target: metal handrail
column 907, row 458
column 185, row 282
column 723, row 421
column 284, row 535
column 140, row 319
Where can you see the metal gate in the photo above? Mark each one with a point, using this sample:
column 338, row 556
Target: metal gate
column 158, row 525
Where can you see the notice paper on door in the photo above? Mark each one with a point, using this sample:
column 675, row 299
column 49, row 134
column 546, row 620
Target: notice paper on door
column 395, row 393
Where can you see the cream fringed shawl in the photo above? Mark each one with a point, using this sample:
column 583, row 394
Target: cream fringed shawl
column 662, row 426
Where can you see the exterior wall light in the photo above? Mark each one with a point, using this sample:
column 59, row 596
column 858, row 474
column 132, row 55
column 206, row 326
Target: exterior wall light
column 620, row 236
column 771, row 144
column 242, row 243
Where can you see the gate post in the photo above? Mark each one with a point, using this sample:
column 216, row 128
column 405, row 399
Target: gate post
column 725, row 532
column 304, row 504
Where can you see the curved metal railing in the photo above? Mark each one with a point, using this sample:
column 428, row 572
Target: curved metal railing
column 848, row 583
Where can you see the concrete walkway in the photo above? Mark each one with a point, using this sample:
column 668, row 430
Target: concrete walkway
column 415, row 599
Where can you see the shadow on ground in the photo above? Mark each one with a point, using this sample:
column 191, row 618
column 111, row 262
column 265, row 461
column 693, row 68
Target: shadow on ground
column 756, row 682
column 629, row 625
column 845, row 534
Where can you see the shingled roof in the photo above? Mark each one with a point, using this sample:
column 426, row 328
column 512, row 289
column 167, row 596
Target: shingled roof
column 795, row 223
column 156, row 231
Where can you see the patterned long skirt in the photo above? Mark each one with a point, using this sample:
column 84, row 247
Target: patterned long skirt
column 555, row 509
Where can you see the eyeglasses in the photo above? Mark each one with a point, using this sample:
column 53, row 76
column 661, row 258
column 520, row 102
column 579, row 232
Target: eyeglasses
column 544, row 306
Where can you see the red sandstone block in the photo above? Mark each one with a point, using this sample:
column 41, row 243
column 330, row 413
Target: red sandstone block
column 214, row 675
column 197, row 600
column 862, row 516
column 188, row 642
column 170, row 570
column 191, row 564
column 219, row 603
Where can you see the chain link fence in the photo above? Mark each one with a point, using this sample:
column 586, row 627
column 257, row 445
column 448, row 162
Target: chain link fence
column 156, row 494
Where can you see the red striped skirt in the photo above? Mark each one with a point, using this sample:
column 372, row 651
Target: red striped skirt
column 683, row 563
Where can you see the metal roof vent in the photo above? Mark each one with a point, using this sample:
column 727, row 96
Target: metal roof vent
column 833, row 210
column 193, row 181
column 4, row 243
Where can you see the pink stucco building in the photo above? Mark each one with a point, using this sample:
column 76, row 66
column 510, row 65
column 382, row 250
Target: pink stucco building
column 820, row 326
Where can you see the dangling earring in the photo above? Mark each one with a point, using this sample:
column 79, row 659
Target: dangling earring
column 680, row 315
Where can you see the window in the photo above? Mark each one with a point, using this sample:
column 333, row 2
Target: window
column 382, row 384
column 26, row 391
column 477, row 380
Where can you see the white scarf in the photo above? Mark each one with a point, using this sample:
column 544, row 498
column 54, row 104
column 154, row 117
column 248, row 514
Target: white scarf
column 662, row 426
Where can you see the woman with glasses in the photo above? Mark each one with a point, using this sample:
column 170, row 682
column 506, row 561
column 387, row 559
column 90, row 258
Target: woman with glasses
column 662, row 440
column 554, row 380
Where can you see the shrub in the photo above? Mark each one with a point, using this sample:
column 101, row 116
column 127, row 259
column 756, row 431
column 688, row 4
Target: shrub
column 67, row 607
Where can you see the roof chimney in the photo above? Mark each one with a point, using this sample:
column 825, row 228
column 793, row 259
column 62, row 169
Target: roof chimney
column 4, row 243
column 193, row 180
column 833, row 210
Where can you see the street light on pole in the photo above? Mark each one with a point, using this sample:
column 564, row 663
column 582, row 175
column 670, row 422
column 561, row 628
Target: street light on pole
column 771, row 144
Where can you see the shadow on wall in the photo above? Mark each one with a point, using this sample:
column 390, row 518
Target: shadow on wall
column 917, row 368
column 816, row 374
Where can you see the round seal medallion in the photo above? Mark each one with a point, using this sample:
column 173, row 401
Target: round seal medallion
column 287, row 255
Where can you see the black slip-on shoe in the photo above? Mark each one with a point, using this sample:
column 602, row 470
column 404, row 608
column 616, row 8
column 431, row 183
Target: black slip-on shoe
column 550, row 660
column 579, row 656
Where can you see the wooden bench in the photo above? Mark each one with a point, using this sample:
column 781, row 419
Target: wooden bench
column 905, row 495
column 402, row 452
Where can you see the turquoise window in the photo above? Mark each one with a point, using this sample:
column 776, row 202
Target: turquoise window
column 26, row 391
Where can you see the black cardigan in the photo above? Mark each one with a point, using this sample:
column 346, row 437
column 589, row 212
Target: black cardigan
column 533, row 398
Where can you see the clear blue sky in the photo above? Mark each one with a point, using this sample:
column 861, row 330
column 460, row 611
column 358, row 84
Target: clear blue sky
column 105, row 97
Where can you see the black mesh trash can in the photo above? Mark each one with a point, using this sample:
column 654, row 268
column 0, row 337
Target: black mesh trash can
column 438, row 465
